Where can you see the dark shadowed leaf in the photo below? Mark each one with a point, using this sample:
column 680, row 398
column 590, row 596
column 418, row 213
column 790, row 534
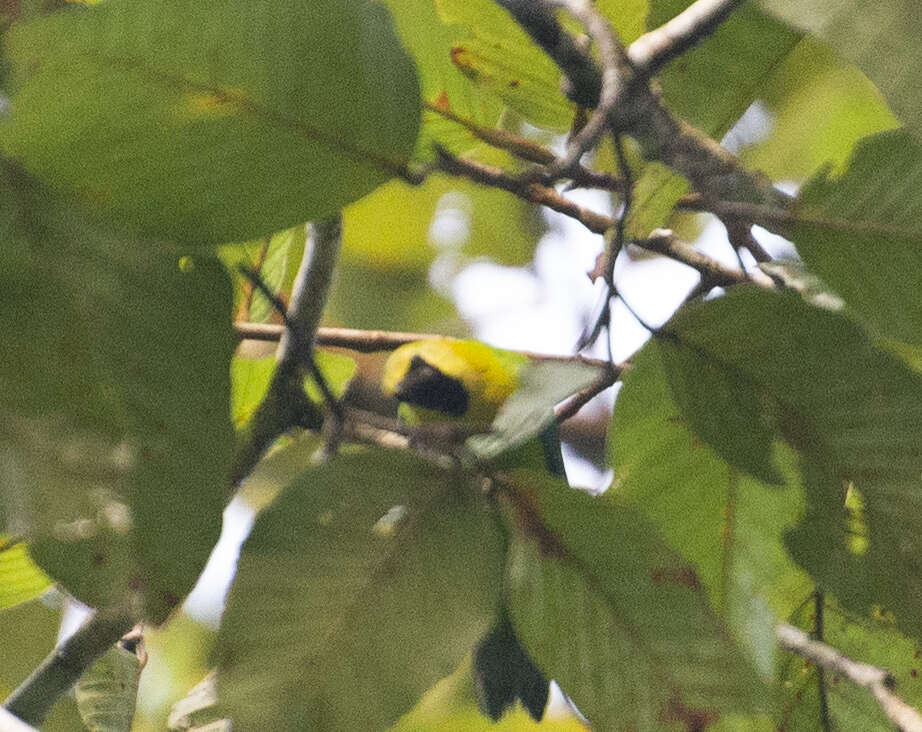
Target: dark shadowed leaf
column 862, row 234
column 114, row 392
column 615, row 616
column 213, row 122
column 852, row 412
column 368, row 580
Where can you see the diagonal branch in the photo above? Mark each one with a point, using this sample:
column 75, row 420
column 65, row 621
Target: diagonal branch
column 640, row 112
column 876, row 680
column 655, row 49
column 285, row 404
column 66, row 664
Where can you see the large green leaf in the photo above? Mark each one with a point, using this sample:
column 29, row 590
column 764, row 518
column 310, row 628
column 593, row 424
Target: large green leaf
column 615, row 616
column 819, row 107
column 860, row 232
column 213, row 122
column 114, row 393
column 732, row 528
column 368, row 580
column 852, row 412
column 882, row 38
column 712, row 85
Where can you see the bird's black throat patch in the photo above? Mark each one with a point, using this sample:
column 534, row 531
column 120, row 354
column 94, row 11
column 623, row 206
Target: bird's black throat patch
column 425, row 386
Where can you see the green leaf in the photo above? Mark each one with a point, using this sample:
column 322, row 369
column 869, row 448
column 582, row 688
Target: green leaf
column 368, row 580
column 213, row 123
column 21, row 579
column 250, row 378
column 530, row 409
column 337, row 369
column 860, row 232
column 430, row 41
column 497, row 55
column 114, row 395
column 615, row 616
column 722, row 406
column 108, row 691
column 882, row 39
column 712, row 85
column 820, row 106
column 852, row 412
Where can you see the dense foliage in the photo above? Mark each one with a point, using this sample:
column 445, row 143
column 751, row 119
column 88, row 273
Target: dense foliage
column 158, row 162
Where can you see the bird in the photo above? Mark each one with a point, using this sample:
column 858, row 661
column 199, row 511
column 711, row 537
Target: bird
column 465, row 383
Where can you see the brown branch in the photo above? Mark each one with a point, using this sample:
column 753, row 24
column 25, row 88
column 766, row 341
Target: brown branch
column 530, row 191
column 655, row 49
column 370, row 341
column 876, row 680
column 569, row 408
column 641, row 113
column 581, row 176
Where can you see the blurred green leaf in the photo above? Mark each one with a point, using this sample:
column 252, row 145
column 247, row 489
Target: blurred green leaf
column 21, row 579
column 114, row 393
column 213, row 122
column 497, row 55
column 616, row 617
column 820, row 106
column 107, row 692
column 430, row 41
column 250, row 379
column 881, row 38
column 722, row 406
column 198, row 710
column 367, row 580
column 712, row 85
column 337, row 369
column 852, row 412
column 530, row 409
column 860, row 231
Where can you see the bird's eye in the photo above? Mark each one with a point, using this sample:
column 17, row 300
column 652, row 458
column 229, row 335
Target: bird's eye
column 426, row 386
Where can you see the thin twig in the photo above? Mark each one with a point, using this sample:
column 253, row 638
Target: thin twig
column 528, row 150
column 60, row 670
column 528, row 190
column 641, row 113
column 616, row 76
column 569, row 408
column 655, row 49
column 876, row 680
column 819, row 633
column 370, row 341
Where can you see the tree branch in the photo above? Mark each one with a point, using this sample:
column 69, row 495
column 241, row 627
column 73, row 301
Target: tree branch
column 655, row 49
column 66, row 664
column 285, row 404
column 876, row 680
column 641, row 113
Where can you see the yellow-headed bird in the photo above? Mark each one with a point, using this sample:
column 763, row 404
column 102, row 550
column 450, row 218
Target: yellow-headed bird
column 441, row 379
column 466, row 383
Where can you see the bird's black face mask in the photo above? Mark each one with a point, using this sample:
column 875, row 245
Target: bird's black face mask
column 425, row 386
